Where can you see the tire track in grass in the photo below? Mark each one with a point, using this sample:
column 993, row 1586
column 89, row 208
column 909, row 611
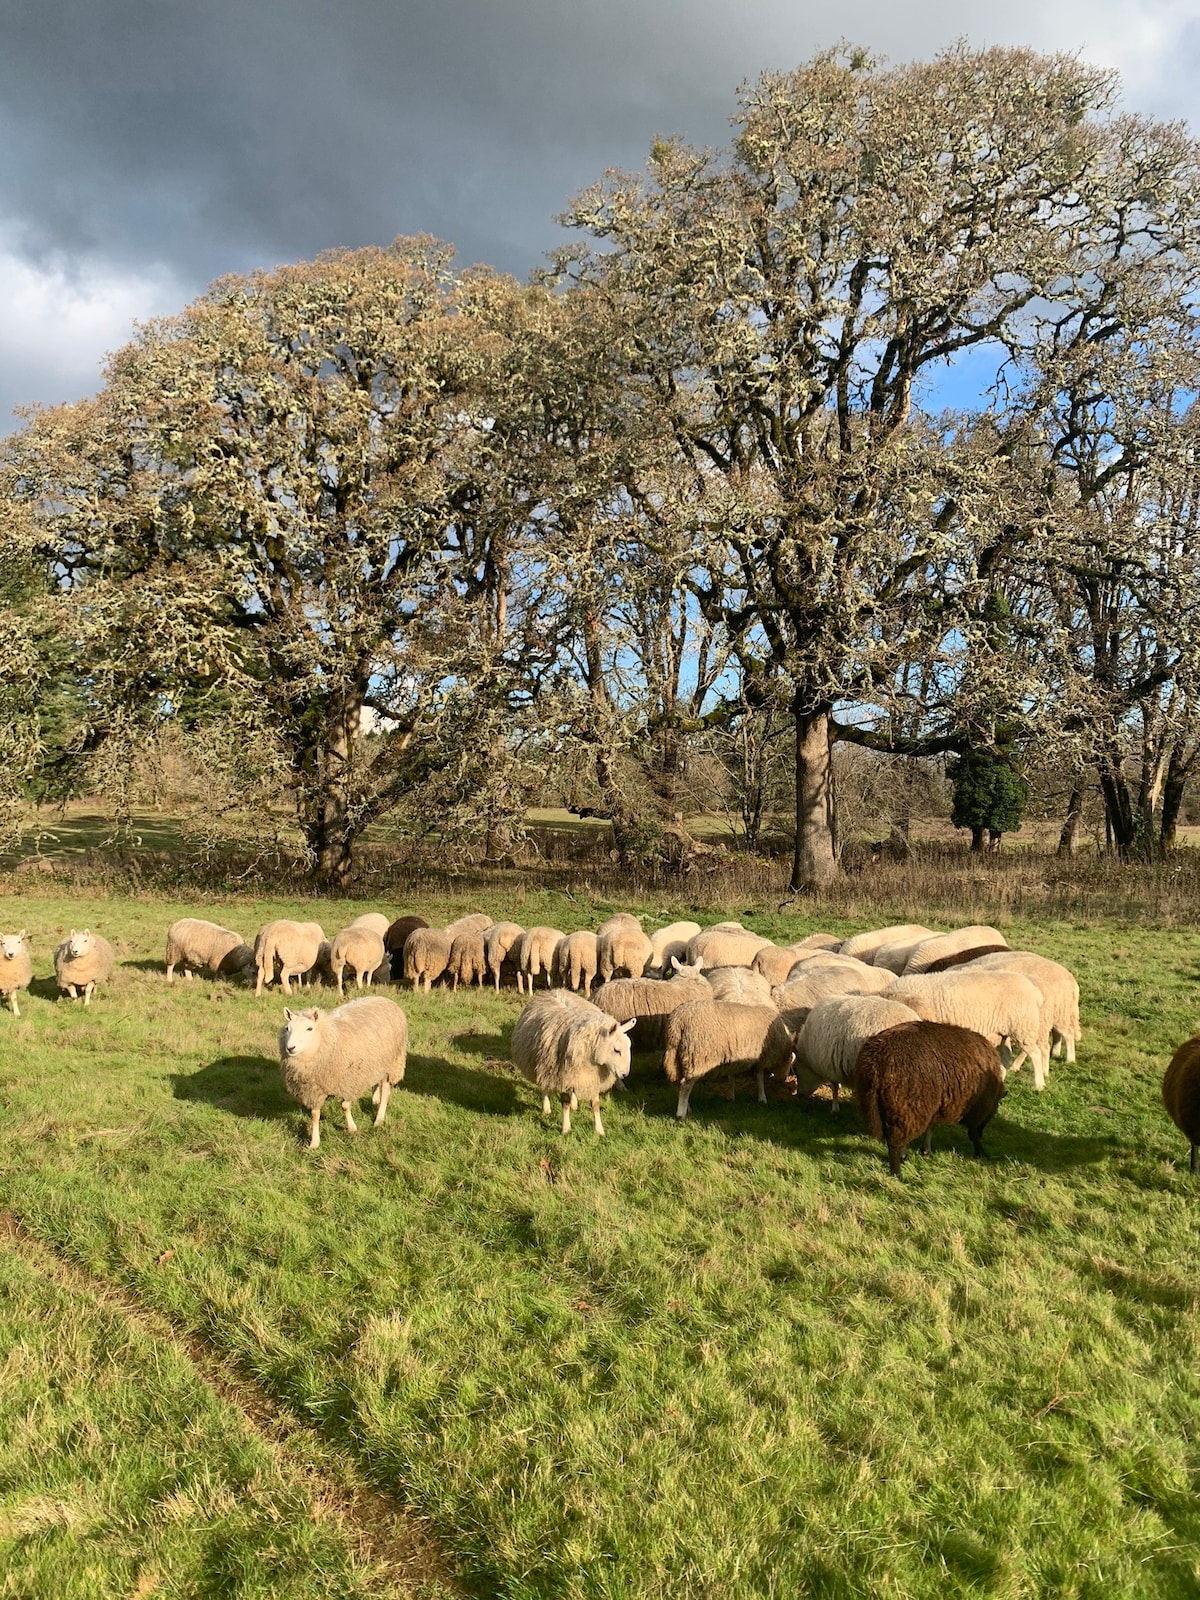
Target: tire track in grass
column 380, row 1528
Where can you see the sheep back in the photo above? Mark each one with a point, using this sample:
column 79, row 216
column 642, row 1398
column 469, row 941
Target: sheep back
column 473, row 922
column 426, row 955
column 196, row 945
column 394, row 940
column 835, row 1030
column 725, row 947
column 773, row 963
column 911, row 1077
column 738, row 986
column 940, row 945
column 667, row 942
column 864, row 945
column 375, row 921
column 705, row 1035
column 576, row 960
column 647, row 1003
column 1000, row 1005
column 359, row 1045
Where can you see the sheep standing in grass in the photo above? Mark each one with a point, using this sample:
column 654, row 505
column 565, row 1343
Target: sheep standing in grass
column 295, row 946
column 341, row 1054
column 576, row 961
column 796, row 998
column 817, row 941
column 499, row 944
column 738, row 986
column 921, row 1073
column 375, row 921
column 833, row 1033
column 935, row 949
column 870, row 980
column 1181, row 1095
column 622, row 949
column 395, row 939
column 1057, row 986
column 706, row 1035
column 468, row 958
column 1003, row 1006
column 668, row 942
column 16, row 968
column 426, row 956
column 82, row 961
column 473, row 922
column 199, row 946
column 535, row 955
column 569, row 1047
column 360, row 948
column 646, row 1003
column 864, row 945
column 774, row 964
column 725, row 947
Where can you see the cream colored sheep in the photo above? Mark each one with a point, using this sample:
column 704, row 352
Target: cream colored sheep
column 569, row 1047
column 796, row 998
column 468, row 959
column 473, row 922
column 864, row 945
column 426, row 956
column 535, row 955
column 576, row 961
column 16, row 967
column 1056, row 984
column 622, row 949
column 941, row 945
column 1003, row 1006
column 341, row 1054
column 199, row 946
column 375, row 921
column 817, row 941
column 896, row 956
column 82, row 961
column 738, row 986
column 725, row 947
column 667, row 942
column 833, row 1033
column 646, row 1003
column 774, row 964
column 294, row 945
column 706, row 1035
column 499, row 943
column 361, row 949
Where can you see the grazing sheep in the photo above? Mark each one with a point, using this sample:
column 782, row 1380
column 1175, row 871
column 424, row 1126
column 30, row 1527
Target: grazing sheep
column 569, row 1047
column 1003, row 1006
column 82, row 961
column 941, row 945
column 796, row 998
column 341, row 1054
column 818, row 941
column 962, row 958
column 473, row 922
column 864, row 945
column 725, row 947
column 621, row 948
column 667, row 942
column 576, row 961
column 1057, row 986
column 499, row 944
column 895, row 957
column 1181, row 1095
column 534, row 955
column 394, row 940
column 921, row 1073
column 831, row 961
column 199, row 946
column 375, row 921
column 361, row 949
column 707, row 1034
column 646, row 1003
column 295, row 945
column 468, row 958
column 426, row 956
column 16, row 968
column 738, row 986
column 773, row 963
column 834, row 1032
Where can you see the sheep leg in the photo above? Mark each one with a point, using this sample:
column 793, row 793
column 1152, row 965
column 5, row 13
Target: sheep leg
column 596, row 1117
column 283, row 979
column 545, row 1105
column 685, row 1094
column 382, row 1092
column 16, row 1010
column 566, row 1105
column 170, row 972
column 896, row 1158
column 314, row 1139
column 837, row 1098
column 574, row 1101
column 927, row 1145
column 188, row 974
column 762, row 1088
column 72, row 991
column 88, row 991
column 351, row 1125
column 1038, row 1064
column 1069, row 1051
column 338, row 976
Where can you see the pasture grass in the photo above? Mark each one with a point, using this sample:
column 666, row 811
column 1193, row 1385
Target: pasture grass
column 732, row 1358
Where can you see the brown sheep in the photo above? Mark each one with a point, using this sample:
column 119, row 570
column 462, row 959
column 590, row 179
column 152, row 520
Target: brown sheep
column 393, row 941
column 1181, row 1095
column 963, row 958
column 920, row 1073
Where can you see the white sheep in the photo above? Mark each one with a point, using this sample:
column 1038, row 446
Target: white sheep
column 706, row 1035
column 376, row 921
column 296, row 946
column 796, row 998
column 864, row 945
column 499, row 943
column 569, row 1047
column 1003, row 1006
column 576, row 961
column 738, row 985
column 774, row 964
column 646, row 1003
column 830, row 960
column 534, row 955
column 468, row 958
column 341, row 1054
column 82, row 961
column 894, row 957
column 426, row 956
column 622, row 948
column 667, row 942
column 16, row 967
column 473, row 922
column 199, row 946
column 940, row 946
column 1056, row 984
column 361, row 949
column 725, row 947
column 818, row 941
column 833, row 1033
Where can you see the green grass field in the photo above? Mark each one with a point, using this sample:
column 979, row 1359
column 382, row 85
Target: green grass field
column 733, row 1358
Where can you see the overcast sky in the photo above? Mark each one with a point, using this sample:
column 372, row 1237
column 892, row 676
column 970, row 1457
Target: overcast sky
column 150, row 145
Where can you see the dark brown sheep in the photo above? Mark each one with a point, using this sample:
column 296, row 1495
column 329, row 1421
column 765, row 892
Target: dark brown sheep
column 1181, row 1094
column 920, row 1073
column 962, row 958
column 393, row 941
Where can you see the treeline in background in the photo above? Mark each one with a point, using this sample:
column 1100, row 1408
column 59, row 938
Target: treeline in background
column 826, row 484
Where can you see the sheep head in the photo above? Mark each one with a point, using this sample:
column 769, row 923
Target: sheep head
column 79, row 943
column 11, row 944
column 299, row 1031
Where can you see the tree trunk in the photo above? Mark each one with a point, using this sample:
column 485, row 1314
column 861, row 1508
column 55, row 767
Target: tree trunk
column 1068, row 839
column 1121, row 821
column 814, row 864
column 978, row 838
column 1179, row 770
column 330, row 832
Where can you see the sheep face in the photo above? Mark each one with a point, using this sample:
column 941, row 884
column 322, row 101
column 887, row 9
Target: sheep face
column 682, row 970
column 79, row 943
column 11, row 944
column 299, row 1031
column 613, row 1050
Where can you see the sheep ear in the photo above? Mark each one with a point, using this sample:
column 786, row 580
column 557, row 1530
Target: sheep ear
column 627, row 1027
column 676, row 964
column 315, row 1013
column 287, row 1013
column 22, row 936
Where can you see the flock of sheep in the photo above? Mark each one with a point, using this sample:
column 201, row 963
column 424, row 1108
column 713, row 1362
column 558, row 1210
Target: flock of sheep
column 922, row 1026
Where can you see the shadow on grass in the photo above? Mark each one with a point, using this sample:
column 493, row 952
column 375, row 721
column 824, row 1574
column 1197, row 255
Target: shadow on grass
column 46, row 989
column 493, row 1046
column 247, row 1086
column 488, row 1092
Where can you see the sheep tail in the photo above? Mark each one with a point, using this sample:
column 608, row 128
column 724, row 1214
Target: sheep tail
column 671, row 1064
column 868, row 1104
